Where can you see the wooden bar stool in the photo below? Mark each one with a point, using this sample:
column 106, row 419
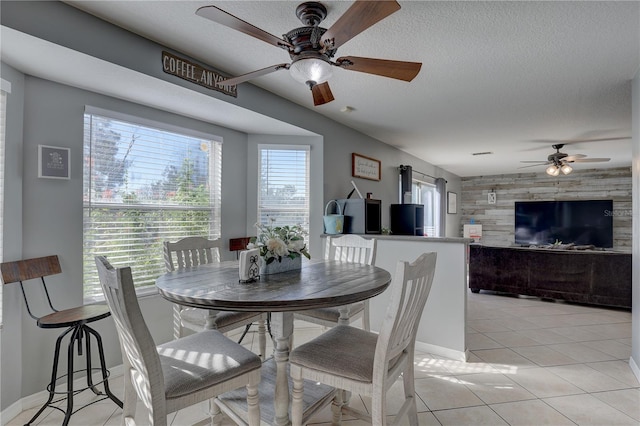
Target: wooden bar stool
column 75, row 322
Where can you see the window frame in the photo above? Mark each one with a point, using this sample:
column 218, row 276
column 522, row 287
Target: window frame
column 417, row 198
column 214, row 190
column 306, row 148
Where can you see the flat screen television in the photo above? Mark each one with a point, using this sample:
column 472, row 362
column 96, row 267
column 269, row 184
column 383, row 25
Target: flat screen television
column 583, row 222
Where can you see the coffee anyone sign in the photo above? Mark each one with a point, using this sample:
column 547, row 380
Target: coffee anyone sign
column 194, row 73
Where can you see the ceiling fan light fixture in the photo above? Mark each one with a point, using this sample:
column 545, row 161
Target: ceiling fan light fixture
column 310, row 70
column 566, row 169
column 553, row 170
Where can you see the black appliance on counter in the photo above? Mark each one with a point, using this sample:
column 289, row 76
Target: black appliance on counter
column 361, row 215
column 407, row 219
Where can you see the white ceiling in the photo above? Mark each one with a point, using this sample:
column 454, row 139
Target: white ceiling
column 511, row 78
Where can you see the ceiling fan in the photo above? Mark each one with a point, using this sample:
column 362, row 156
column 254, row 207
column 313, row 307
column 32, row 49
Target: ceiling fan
column 311, row 47
column 559, row 161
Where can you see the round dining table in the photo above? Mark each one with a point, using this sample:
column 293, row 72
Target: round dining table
column 318, row 284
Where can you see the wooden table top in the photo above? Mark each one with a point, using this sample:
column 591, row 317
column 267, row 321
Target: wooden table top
column 318, row 284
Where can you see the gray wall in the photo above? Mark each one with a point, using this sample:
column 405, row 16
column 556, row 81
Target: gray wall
column 45, row 216
column 497, row 220
column 12, row 329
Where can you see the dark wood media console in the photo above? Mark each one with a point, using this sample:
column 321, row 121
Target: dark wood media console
column 583, row 276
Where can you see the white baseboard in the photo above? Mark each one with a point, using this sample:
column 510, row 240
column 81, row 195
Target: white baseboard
column 635, row 368
column 441, row 351
column 37, row 399
column 10, row 412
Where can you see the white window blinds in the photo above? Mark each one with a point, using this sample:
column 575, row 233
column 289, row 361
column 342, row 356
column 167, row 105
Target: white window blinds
column 427, row 195
column 283, row 185
column 144, row 185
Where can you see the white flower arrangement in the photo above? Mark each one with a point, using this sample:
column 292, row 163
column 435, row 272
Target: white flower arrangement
column 276, row 242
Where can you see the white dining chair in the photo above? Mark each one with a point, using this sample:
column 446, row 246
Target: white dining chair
column 179, row 373
column 346, row 248
column 194, row 251
column 366, row 363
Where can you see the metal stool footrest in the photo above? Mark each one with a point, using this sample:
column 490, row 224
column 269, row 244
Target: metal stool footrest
column 78, row 332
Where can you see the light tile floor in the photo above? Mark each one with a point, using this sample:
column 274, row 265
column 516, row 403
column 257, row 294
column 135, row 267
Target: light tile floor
column 532, row 362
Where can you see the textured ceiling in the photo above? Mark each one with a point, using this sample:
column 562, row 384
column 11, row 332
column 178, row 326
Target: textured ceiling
column 510, row 78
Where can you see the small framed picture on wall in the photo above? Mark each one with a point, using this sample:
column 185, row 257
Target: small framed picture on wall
column 365, row 167
column 452, row 203
column 53, row 162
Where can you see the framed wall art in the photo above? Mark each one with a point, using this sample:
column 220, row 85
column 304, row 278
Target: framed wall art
column 452, row 203
column 53, row 162
column 365, row 167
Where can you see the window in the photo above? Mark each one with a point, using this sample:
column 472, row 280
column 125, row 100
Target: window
column 427, row 194
column 144, row 183
column 283, row 185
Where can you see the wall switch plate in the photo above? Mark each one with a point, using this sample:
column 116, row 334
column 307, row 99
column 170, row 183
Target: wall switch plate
column 491, row 197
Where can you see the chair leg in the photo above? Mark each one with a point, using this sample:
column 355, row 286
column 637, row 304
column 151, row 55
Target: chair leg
column 379, row 408
column 103, row 366
column 366, row 323
column 346, row 397
column 269, row 324
column 87, row 343
column 410, row 392
column 54, row 374
column 297, row 394
column 75, row 336
column 336, row 407
column 244, row 333
column 253, row 404
column 214, row 413
column 262, row 340
column 177, row 322
column 130, row 396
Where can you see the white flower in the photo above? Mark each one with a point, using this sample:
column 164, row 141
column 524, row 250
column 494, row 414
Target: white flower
column 296, row 245
column 277, row 247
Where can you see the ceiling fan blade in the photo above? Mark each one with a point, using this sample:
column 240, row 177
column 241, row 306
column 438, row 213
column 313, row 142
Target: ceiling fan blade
column 573, row 157
column 532, row 165
column 596, row 140
column 590, row 160
column 259, row 73
column 228, row 20
column 536, row 162
column 573, row 141
column 321, row 94
column 360, row 16
column 399, row 70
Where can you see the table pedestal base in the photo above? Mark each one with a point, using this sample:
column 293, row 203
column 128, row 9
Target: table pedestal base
column 315, row 396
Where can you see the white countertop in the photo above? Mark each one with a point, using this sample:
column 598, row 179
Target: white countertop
column 413, row 238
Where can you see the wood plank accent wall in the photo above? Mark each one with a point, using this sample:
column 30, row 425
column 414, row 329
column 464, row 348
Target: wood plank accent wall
column 497, row 220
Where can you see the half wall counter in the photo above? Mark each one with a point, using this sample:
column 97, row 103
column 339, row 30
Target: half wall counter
column 442, row 329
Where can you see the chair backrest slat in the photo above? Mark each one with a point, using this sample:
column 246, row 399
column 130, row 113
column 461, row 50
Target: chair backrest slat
column 351, row 248
column 23, row 270
column 191, row 251
column 29, row 269
column 410, row 289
